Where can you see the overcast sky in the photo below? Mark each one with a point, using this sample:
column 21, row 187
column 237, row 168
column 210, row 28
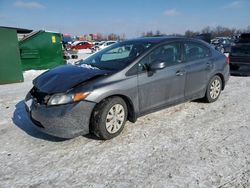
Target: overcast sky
column 131, row 17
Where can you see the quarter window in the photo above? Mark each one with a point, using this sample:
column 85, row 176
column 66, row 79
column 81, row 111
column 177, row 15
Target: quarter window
column 195, row 51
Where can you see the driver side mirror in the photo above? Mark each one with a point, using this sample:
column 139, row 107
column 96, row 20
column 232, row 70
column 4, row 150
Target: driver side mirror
column 157, row 65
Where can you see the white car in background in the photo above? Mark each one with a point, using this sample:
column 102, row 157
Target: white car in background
column 106, row 44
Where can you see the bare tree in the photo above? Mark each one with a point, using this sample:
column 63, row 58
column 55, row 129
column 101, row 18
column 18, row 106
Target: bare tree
column 218, row 31
column 206, row 30
column 248, row 29
column 147, row 34
column 190, row 33
column 158, row 32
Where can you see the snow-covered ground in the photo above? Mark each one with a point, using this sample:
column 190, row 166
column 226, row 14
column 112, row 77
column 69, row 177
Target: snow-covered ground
column 81, row 54
column 190, row 145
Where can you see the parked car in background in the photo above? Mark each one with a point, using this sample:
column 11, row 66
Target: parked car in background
column 82, row 45
column 106, row 44
column 99, row 94
column 96, row 46
column 96, row 43
column 72, row 43
column 240, row 52
column 222, row 44
column 205, row 37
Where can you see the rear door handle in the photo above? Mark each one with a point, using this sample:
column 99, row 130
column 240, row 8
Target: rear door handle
column 180, row 73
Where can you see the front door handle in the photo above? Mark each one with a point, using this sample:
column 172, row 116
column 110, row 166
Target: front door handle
column 180, row 73
column 209, row 65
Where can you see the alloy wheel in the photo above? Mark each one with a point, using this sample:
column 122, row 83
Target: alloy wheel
column 215, row 89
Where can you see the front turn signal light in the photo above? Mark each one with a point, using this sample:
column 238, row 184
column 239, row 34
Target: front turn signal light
column 80, row 96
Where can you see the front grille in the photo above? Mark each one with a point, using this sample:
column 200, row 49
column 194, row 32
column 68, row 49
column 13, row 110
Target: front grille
column 38, row 96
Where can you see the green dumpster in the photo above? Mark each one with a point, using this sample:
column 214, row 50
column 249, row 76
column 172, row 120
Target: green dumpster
column 41, row 50
column 10, row 62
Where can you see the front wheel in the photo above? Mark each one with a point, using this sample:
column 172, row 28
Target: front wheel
column 214, row 88
column 109, row 118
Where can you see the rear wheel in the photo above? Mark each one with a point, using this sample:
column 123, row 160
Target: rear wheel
column 109, row 118
column 213, row 89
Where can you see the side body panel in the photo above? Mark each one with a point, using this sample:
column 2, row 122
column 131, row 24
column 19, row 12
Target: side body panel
column 161, row 88
column 197, row 77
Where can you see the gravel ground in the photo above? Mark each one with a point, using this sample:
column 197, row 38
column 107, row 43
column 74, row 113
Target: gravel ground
column 189, row 145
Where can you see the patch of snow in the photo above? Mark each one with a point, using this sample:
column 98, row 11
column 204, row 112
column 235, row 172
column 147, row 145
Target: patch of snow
column 84, row 51
column 31, row 74
column 2, row 122
column 87, row 66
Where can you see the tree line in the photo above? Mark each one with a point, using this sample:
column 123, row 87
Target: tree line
column 218, row 31
column 111, row 36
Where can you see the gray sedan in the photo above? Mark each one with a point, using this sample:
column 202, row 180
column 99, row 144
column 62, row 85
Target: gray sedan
column 123, row 82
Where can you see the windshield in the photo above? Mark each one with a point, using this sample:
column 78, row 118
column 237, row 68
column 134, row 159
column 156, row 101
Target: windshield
column 117, row 56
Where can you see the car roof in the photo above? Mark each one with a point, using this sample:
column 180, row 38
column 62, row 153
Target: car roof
column 165, row 39
column 111, row 41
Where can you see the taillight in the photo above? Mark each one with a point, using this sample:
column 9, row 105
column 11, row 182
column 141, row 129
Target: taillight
column 228, row 60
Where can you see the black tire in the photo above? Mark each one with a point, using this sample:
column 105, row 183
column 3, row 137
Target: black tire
column 100, row 115
column 212, row 96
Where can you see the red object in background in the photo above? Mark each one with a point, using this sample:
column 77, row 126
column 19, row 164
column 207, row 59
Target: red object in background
column 94, row 36
column 82, row 45
column 228, row 60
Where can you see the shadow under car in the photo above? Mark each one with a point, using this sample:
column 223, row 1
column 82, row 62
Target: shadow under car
column 20, row 119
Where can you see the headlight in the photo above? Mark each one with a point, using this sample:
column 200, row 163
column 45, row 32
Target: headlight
column 67, row 98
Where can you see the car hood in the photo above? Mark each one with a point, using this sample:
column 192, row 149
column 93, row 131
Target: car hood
column 63, row 78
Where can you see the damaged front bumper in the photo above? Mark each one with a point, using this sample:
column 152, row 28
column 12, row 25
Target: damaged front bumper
column 65, row 121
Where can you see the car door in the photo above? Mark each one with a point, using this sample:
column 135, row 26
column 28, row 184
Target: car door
column 79, row 45
column 199, row 64
column 84, row 45
column 163, row 86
